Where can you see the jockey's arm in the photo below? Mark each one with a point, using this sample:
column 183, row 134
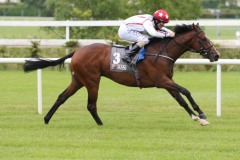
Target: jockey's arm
column 152, row 31
column 168, row 31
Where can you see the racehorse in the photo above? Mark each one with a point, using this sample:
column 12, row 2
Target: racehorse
column 90, row 62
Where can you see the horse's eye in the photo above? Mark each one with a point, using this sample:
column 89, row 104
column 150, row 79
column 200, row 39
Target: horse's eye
column 204, row 39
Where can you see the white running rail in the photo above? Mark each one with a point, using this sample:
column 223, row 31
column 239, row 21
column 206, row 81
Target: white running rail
column 179, row 61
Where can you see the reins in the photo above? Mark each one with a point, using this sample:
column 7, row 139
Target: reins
column 158, row 55
column 186, row 46
column 174, row 39
column 202, row 50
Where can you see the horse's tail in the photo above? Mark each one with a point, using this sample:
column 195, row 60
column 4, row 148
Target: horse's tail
column 31, row 65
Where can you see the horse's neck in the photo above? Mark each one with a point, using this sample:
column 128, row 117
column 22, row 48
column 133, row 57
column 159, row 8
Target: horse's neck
column 172, row 47
column 182, row 43
column 185, row 38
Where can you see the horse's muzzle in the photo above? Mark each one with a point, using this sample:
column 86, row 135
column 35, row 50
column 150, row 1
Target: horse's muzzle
column 213, row 58
column 216, row 57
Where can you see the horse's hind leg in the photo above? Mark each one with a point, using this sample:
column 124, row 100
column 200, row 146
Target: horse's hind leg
column 72, row 88
column 92, row 85
column 92, row 103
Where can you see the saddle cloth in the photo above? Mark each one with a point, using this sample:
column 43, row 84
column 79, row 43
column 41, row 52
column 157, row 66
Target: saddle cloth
column 116, row 62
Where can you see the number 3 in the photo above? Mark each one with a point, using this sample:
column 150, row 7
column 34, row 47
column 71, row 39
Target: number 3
column 116, row 59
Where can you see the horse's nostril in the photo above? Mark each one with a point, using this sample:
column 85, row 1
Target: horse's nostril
column 216, row 57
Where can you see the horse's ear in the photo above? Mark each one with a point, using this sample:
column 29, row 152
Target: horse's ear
column 193, row 26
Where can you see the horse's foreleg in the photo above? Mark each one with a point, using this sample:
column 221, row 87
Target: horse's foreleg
column 181, row 101
column 185, row 92
column 73, row 87
column 202, row 118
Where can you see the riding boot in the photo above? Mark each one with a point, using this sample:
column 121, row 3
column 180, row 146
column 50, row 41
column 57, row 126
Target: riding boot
column 131, row 52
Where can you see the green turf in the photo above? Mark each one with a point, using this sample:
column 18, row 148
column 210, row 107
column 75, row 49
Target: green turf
column 138, row 123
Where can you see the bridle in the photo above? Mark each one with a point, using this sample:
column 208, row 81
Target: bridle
column 203, row 51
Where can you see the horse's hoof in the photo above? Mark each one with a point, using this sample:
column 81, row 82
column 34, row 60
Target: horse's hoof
column 195, row 118
column 46, row 120
column 203, row 122
column 202, row 116
column 99, row 123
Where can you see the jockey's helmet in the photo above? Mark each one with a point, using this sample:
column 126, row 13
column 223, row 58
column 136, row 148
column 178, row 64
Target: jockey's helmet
column 161, row 15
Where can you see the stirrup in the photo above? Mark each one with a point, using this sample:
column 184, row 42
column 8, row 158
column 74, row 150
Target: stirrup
column 127, row 59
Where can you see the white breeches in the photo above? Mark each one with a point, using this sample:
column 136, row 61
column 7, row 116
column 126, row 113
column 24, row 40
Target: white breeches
column 132, row 35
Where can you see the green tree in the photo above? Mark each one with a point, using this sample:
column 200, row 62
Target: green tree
column 31, row 7
column 226, row 8
column 112, row 10
column 182, row 9
column 37, row 4
column 86, row 9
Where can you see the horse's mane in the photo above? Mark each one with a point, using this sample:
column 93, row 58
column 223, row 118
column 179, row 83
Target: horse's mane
column 182, row 28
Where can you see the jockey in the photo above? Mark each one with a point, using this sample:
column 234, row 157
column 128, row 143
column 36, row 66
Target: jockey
column 140, row 28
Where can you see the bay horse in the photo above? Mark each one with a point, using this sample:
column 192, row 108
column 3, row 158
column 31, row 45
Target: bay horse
column 90, row 62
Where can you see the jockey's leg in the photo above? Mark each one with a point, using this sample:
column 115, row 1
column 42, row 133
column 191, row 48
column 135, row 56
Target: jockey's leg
column 134, row 36
column 133, row 50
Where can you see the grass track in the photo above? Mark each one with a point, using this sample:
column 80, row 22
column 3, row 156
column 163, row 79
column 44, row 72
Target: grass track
column 138, row 124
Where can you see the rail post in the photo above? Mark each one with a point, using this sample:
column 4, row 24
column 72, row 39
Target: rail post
column 219, row 86
column 39, row 90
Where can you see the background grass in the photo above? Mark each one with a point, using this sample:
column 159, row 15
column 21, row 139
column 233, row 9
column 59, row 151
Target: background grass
column 25, row 32
column 138, row 123
column 39, row 33
column 225, row 32
column 221, row 32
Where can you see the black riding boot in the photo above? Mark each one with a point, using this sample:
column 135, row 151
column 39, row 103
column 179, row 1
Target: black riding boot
column 130, row 52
